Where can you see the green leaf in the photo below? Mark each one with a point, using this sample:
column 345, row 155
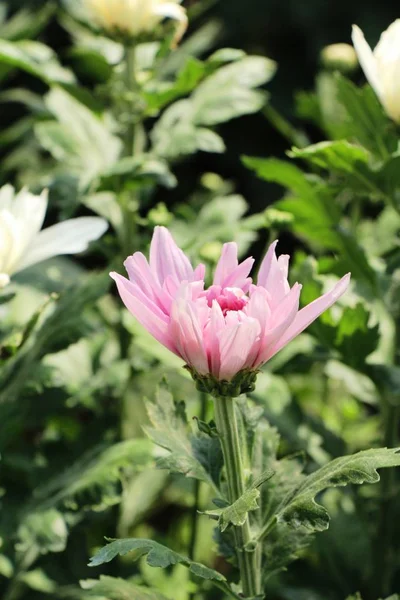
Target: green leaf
column 236, row 513
column 36, row 59
column 282, row 172
column 229, row 92
column 93, row 482
column 357, row 384
column 141, row 168
column 114, row 588
column 40, row 582
column 44, row 530
column 176, row 135
column 356, row 339
column 300, row 508
column 157, row 556
column 340, row 156
column 26, row 23
column 349, row 162
column 366, row 120
column 105, row 204
column 225, row 94
column 6, row 567
column 188, row 77
column 78, row 139
column 60, row 324
column 193, row 454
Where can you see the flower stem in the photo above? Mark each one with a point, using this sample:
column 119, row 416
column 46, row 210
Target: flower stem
column 131, row 85
column 225, row 418
column 383, row 566
column 194, row 529
column 385, row 554
column 285, row 128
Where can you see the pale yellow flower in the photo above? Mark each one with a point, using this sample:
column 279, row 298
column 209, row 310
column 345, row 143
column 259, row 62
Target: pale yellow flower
column 339, row 56
column 382, row 66
column 133, row 18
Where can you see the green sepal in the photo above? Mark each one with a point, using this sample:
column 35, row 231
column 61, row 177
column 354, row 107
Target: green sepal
column 243, row 382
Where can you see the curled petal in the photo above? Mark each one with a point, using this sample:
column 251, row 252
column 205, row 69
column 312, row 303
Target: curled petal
column 273, row 276
column 171, row 10
column 229, row 273
column 236, row 344
column 265, row 267
column 140, row 273
column 144, row 310
column 280, row 320
column 166, row 259
column 185, row 328
column 227, row 263
column 309, row 313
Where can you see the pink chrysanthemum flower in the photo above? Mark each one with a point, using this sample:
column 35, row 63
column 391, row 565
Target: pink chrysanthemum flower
column 223, row 333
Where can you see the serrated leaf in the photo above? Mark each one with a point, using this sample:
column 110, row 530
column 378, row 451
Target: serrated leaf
column 300, row 508
column 94, row 480
column 114, row 588
column 236, row 513
column 194, row 455
column 157, row 556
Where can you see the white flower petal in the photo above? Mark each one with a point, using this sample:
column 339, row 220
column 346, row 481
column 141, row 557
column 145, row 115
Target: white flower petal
column 30, row 210
column 7, row 194
column 174, row 11
column 4, row 280
column 69, row 237
column 367, row 60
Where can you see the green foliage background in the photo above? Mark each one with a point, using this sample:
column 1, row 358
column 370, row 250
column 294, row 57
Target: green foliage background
column 78, row 462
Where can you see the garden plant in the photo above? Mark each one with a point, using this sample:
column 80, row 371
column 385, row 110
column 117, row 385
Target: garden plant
column 180, row 420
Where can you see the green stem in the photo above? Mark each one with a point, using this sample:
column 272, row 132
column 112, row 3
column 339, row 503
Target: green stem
column 384, row 564
column 285, row 128
column 225, row 418
column 383, row 567
column 131, row 85
column 16, row 587
column 194, row 526
column 196, row 492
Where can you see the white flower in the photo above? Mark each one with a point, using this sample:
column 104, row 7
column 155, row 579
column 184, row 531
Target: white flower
column 22, row 244
column 382, row 66
column 135, row 17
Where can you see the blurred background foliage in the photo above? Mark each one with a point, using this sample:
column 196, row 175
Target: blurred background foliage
column 76, row 465
column 291, row 33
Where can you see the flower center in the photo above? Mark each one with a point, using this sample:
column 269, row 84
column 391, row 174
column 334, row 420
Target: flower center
column 228, row 298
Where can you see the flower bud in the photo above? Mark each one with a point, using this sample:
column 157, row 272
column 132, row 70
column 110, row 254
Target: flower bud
column 127, row 20
column 339, row 57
